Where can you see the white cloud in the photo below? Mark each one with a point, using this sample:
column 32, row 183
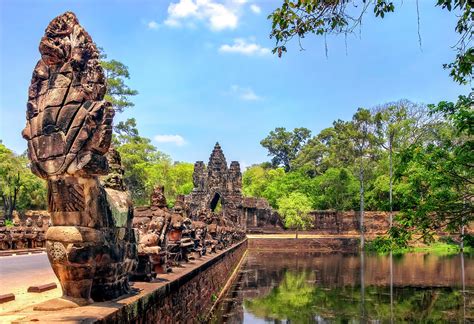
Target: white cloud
column 177, row 140
column 244, row 93
column 217, row 15
column 255, row 9
column 242, row 46
column 152, row 25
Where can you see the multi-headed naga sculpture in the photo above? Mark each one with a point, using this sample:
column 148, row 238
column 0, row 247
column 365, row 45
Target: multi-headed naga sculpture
column 69, row 128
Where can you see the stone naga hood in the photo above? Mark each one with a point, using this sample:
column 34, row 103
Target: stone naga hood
column 69, row 125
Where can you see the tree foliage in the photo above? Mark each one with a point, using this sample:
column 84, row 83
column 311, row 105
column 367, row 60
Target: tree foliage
column 284, row 145
column 118, row 92
column 295, row 210
column 146, row 167
column 440, row 175
column 298, row 18
column 419, row 155
column 20, row 189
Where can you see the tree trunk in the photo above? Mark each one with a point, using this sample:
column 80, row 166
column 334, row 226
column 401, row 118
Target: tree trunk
column 391, row 180
column 296, row 233
column 361, row 193
column 7, row 207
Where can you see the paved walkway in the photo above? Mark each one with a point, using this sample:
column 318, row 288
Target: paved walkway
column 18, row 272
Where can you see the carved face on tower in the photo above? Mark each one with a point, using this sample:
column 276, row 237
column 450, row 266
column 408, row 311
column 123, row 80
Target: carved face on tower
column 69, row 125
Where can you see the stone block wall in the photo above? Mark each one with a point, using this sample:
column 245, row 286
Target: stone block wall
column 332, row 222
column 326, row 244
column 189, row 298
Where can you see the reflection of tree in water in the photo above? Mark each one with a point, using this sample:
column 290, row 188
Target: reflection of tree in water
column 292, row 299
column 297, row 299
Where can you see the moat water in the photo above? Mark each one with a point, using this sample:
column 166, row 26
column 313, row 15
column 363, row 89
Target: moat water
column 346, row 288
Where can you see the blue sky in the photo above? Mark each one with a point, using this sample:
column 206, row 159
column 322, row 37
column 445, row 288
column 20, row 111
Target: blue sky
column 205, row 72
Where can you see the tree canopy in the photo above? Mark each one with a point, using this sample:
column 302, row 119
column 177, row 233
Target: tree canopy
column 20, row 189
column 283, row 146
column 411, row 158
column 146, row 167
column 294, row 209
column 118, row 92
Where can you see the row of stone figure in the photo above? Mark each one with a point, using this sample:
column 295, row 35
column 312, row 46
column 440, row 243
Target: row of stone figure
column 167, row 238
column 30, row 235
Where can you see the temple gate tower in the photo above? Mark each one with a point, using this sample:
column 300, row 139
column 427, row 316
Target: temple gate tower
column 217, row 188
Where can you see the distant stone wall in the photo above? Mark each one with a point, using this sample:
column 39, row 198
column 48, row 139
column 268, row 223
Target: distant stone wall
column 325, row 222
column 326, row 244
column 347, row 222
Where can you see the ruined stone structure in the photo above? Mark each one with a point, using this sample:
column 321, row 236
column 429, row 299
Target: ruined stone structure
column 218, row 193
column 152, row 224
column 260, row 217
column 69, row 127
column 216, row 187
column 23, row 235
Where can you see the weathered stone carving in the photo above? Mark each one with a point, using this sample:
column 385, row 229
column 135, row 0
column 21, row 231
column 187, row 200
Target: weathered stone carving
column 216, row 184
column 5, row 238
column 17, row 234
column 39, row 231
column 69, row 125
column 152, row 224
column 158, row 198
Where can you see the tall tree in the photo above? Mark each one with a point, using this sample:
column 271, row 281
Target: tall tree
column 363, row 138
column 389, row 121
column 284, row 146
column 118, row 92
column 440, row 175
column 297, row 18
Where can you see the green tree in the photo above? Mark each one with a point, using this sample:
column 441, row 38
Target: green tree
column 332, row 147
column 175, row 177
column 138, row 155
column 297, row 18
column 284, row 146
column 118, row 92
column 337, row 189
column 389, row 121
column 295, row 210
column 257, row 178
column 440, row 175
column 364, row 142
column 19, row 188
column 146, row 167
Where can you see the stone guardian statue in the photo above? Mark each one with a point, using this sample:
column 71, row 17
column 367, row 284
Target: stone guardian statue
column 69, row 129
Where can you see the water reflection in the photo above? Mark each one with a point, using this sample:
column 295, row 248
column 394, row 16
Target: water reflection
column 319, row 288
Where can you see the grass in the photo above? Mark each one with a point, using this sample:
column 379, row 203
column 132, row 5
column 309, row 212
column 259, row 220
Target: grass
column 440, row 248
column 445, row 246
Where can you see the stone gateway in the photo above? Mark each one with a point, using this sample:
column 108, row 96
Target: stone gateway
column 218, row 190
